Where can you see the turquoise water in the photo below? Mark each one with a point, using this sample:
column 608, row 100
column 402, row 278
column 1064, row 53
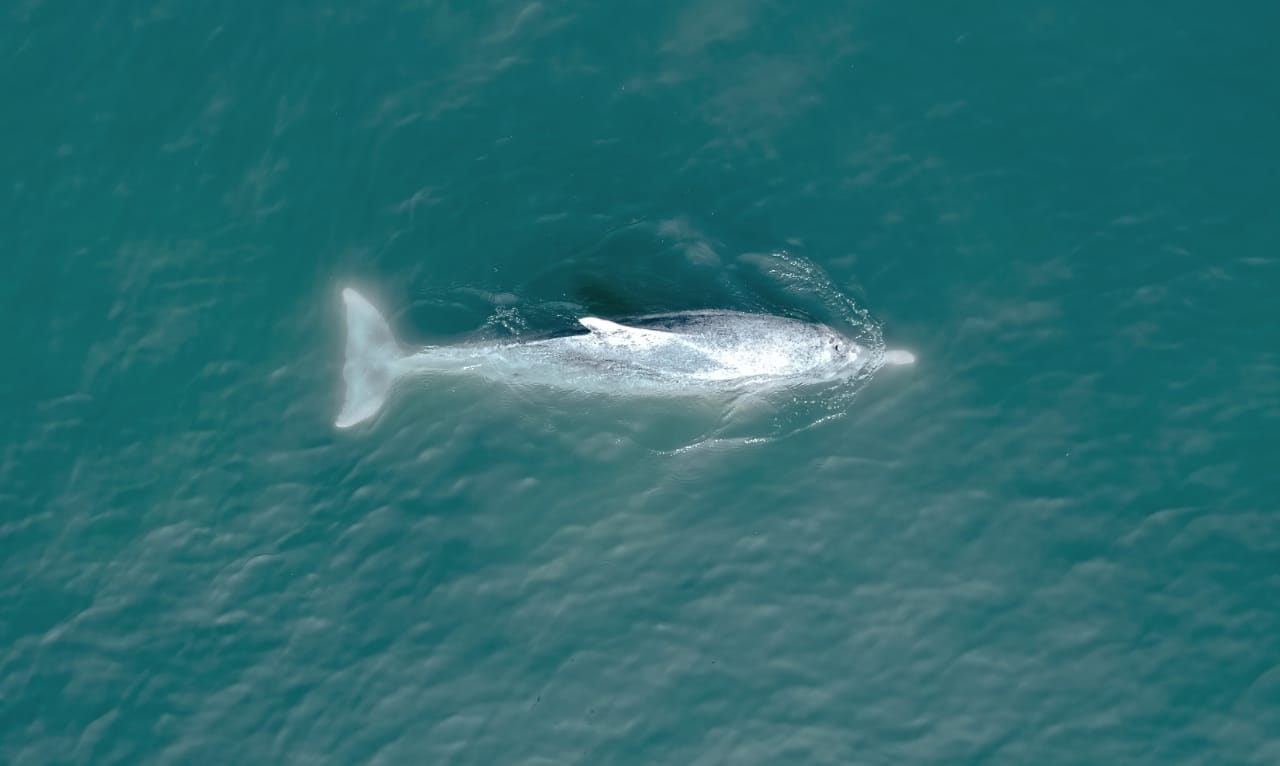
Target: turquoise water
column 1055, row 539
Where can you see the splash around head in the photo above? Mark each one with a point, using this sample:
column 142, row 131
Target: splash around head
column 846, row 358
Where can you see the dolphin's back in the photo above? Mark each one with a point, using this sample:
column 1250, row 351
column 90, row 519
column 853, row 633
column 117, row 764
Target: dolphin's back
column 732, row 329
column 672, row 352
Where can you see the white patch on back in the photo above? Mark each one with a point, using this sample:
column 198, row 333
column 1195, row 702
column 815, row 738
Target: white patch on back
column 621, row 335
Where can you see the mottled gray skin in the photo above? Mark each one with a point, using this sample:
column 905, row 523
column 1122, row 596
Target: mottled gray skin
column 663, row 355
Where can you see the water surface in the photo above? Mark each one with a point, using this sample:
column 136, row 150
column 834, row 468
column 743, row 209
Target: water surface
column 1053, row 540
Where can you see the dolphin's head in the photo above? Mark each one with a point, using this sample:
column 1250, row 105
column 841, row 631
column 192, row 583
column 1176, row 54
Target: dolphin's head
column 839, row 356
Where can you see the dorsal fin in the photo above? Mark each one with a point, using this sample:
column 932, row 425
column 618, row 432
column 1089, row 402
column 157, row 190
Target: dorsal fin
column 596, row 324
column 615, row 333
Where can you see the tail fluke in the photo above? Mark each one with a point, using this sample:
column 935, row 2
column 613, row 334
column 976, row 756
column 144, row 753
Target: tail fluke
column 899, row 357
column 374, row 361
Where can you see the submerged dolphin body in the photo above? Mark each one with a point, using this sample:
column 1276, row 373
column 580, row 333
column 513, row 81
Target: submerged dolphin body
column 691, row 353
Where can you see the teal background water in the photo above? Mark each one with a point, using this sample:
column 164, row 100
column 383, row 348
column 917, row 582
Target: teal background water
column 1054, row 540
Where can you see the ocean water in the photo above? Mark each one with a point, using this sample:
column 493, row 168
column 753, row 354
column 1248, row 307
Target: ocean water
column 1055, row 539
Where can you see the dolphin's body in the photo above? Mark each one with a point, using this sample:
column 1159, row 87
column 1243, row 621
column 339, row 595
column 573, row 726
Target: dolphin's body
column 691, row 353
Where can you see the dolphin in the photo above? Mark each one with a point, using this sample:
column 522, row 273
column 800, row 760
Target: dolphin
column 688, row 353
